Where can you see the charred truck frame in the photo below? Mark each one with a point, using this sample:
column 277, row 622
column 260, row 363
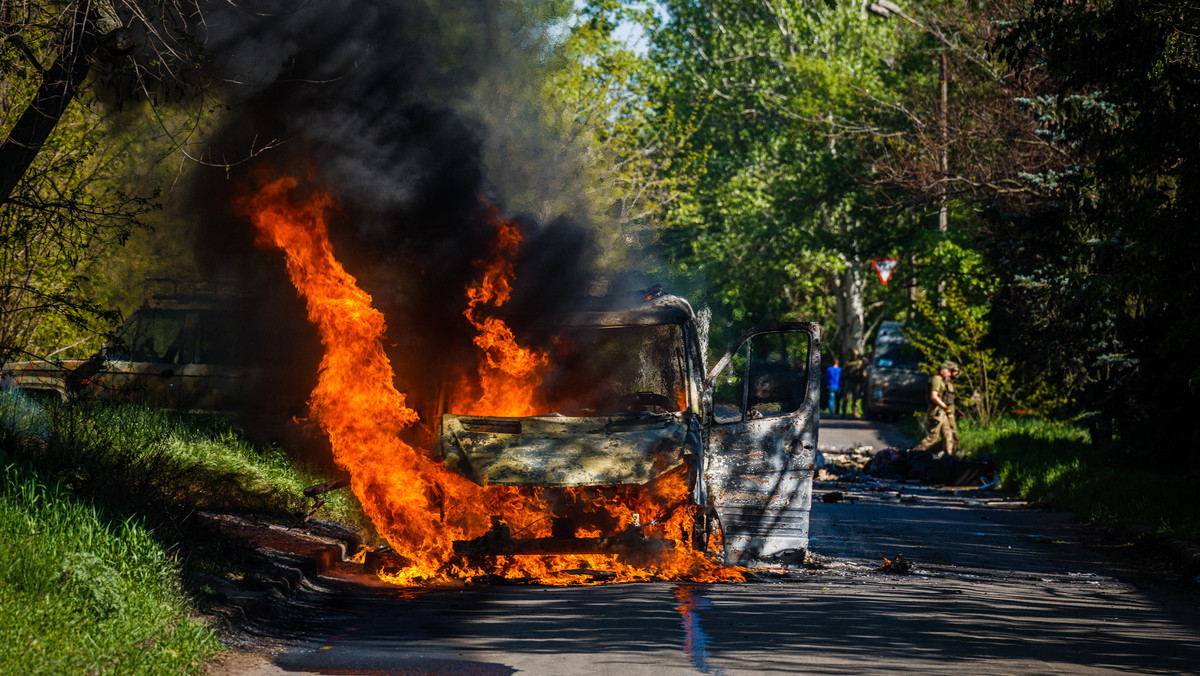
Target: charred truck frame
column 745, row 432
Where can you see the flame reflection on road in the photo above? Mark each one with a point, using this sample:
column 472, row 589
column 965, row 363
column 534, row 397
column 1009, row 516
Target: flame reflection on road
column 695, row 642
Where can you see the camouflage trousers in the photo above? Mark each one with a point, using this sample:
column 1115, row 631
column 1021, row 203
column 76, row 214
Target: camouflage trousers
column 940, row 425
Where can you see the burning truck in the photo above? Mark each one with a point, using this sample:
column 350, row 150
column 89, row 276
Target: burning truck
column 638, row 405
column 595, row 443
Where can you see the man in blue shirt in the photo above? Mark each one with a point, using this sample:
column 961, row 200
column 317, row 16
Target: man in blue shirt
column 833, row 381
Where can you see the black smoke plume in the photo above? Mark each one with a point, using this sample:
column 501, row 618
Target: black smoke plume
column 370, row 100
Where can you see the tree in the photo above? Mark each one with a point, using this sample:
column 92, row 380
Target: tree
column 598, row 91
column 1120, row 277
column 781, row 220
column 59, row 213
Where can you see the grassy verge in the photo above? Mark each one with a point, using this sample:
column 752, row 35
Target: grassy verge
column 95, row 521
column 80, row 593
column 1055, row 463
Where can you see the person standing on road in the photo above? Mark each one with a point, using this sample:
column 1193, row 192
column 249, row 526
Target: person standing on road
column 833, row 382
column 941, row 419
column 854, row 376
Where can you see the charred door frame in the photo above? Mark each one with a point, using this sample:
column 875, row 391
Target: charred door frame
column 759, row 470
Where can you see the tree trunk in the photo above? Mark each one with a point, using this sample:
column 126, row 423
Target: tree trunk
column 851, row 322
column 60, row 84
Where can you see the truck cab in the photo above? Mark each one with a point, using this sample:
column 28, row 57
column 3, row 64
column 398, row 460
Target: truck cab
column 634, row 401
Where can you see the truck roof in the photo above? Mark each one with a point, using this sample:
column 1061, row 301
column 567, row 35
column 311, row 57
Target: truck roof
column 642, row 311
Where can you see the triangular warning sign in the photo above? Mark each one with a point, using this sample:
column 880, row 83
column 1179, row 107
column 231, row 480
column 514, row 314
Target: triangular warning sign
column 884, row 266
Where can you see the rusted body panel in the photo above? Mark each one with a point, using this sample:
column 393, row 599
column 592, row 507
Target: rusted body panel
column 563, row 451
column 200, row 387
column 52, row 380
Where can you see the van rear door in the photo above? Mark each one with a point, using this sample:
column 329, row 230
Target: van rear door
column 760, row 408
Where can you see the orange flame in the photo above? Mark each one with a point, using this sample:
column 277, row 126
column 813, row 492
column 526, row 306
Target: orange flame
column 508, row 375
column 416, row 504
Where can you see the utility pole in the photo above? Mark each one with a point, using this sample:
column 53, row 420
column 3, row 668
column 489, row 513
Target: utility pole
column 886, row 8
column 943, row 145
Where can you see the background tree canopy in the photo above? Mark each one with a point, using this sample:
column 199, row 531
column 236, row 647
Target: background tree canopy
column 1028, row 162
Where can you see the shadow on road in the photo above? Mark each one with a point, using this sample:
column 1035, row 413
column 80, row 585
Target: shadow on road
column 820, row 626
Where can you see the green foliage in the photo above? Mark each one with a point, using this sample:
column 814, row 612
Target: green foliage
column 1106, row 273
column 779, row 208
column 68, row 214
column 170, row 462
column 57, row 234
column 633, row 167
column 1057, row 464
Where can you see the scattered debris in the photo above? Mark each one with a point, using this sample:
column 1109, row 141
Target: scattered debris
column 922, row 466
column 836, row 496
column 824, row 475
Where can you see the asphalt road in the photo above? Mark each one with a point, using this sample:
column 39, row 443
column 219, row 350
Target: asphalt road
column 992, row 586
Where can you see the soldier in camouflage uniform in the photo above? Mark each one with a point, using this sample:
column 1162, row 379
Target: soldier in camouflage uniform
column 940, row 420
column 854, row 380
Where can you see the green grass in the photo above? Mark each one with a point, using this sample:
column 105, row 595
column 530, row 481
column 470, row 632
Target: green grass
column 100, row 546
column 1055, row 463
column 129, row 457
column 82, row 594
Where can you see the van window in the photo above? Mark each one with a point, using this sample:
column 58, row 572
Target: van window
column 600, row 370
column 766, row 377
column 903, row 356
column 155, row 336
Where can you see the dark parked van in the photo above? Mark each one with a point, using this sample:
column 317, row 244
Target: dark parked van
column 895, row 383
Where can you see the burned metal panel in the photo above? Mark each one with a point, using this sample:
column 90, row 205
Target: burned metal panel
column 760, row 462
column 760, row 481
column 564, row 451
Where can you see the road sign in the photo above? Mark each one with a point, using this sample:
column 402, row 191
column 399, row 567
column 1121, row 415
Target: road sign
column 884, row 267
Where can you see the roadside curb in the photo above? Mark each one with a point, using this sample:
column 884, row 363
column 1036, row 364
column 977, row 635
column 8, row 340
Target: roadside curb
column 281, row 558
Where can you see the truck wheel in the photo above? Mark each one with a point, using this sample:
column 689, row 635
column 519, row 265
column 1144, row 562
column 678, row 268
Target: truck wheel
column 703, row 527
column 868, row 412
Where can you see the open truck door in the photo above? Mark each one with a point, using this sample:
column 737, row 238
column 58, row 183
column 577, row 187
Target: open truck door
column 761, row 408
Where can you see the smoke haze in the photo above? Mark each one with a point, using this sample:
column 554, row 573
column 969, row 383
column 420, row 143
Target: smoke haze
column 382, row 105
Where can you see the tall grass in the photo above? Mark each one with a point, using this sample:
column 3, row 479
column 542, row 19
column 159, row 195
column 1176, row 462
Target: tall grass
column 130, row 457
column 1056, row 463
column 96, row 521
column 80, row 593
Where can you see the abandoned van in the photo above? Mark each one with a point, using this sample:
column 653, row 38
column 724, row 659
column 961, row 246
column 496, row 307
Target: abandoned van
column 637, row 401
column 895, row 383
column 179, row 351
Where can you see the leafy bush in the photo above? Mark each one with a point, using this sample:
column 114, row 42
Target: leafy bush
column 1057, row 464
column 956, row 330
